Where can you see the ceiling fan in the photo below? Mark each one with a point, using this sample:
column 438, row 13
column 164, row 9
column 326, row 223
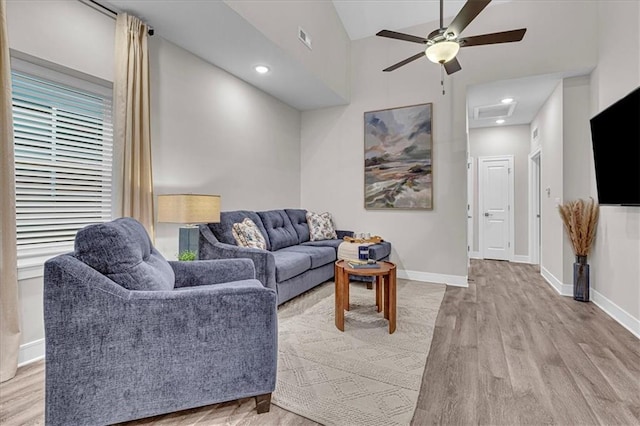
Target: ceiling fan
column 443, row 44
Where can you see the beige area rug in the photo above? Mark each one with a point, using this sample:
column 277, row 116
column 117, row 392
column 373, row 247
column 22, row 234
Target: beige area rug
column 364, row 376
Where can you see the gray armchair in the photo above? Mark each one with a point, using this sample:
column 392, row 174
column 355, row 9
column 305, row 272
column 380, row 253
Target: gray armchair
column 130, row 335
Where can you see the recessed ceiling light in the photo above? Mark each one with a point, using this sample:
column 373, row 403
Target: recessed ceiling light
column 261, row 69
column 507, row 100
column 500, row 121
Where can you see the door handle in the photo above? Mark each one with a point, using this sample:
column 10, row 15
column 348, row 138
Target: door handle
column 487, row 214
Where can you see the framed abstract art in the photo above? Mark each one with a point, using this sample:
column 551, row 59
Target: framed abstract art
column 398, row 148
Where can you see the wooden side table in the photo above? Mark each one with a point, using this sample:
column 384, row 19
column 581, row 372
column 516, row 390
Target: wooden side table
column 385, row 290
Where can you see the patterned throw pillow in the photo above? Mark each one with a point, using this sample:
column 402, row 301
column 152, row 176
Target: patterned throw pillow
column 321, row 226
column 247, row 234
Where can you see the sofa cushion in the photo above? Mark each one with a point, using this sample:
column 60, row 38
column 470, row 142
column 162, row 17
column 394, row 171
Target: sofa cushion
column 319, row 255
column 223, row 230
column 122, row 251
column 324, row 243
column 247, row 234
column 321, row 226
column 279, row 229
column 289, row 264
column 298, row 218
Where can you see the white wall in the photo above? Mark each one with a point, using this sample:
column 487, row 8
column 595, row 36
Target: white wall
column 577, row 156
column 212, row 133
column 615, row 269
column 279, row 20
column 505, row 140
column 549, row 122
column 62, row 32
column 59, row 32
column 332, row 139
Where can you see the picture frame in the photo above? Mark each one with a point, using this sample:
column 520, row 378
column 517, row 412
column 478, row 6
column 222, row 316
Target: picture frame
column 398, row 158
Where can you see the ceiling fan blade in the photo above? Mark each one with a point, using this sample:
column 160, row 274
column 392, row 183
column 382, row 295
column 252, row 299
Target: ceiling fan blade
column 469, row 11
column 493, row 38
column 402, row 36
column 452, row 66
column 405, row 62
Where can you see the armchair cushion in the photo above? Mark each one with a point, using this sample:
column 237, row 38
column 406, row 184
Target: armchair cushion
column 279, row 228
column 122, row 251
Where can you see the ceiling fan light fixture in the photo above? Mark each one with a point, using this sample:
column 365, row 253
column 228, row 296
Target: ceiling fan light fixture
column 442, row 52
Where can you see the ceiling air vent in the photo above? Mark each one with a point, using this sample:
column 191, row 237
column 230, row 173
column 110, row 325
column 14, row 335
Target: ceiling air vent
column 486, row 112
column 304, row 37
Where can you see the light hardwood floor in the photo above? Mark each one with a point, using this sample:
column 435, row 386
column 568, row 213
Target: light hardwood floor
column 507, row 350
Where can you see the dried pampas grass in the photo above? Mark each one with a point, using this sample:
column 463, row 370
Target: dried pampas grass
column 580, row 218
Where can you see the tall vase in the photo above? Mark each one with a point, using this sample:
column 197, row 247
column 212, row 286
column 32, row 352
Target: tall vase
column 581, row 279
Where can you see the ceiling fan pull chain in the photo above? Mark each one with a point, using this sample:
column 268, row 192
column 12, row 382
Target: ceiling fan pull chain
column 442, row 77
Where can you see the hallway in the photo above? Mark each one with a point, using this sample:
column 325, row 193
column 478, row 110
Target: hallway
column 509, row 350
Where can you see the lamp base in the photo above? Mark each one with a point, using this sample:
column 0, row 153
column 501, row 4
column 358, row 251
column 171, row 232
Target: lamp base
column 188, row 239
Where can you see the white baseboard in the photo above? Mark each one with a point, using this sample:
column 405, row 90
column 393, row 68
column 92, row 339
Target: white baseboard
column 621, row 316
column 516, row 258
column 562, row 289
column 429, row 277
column 616, row 312
column 31, row 352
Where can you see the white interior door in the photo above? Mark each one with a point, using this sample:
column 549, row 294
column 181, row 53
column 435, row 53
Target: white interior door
column 495, row 193
column 534, row 244
column 470, row 180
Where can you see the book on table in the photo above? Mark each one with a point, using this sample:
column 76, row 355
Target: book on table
column 363, row 264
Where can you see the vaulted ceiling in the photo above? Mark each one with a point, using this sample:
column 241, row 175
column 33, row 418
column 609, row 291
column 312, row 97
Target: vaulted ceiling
column 215, row 32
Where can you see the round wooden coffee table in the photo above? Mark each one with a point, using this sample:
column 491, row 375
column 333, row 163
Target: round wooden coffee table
column 385, row 290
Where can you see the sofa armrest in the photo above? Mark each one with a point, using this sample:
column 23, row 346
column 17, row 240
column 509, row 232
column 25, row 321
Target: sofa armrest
column 205, row 272
column 341, row 234
column 263, row 260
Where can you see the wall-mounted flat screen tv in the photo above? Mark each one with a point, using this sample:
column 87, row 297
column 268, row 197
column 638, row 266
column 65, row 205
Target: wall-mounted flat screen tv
column 615, row 133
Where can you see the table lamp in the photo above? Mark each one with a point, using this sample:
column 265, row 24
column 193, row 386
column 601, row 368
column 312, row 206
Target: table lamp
column 189, row 210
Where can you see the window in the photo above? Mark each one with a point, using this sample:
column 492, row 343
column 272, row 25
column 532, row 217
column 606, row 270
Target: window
column 63, row 136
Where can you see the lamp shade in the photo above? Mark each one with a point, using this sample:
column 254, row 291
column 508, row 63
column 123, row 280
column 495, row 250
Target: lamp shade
column 442, row 52
column 189, row 208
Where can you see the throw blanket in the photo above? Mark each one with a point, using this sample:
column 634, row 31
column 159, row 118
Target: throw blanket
column 349, row 251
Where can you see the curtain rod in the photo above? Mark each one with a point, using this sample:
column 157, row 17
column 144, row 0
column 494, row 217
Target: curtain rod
column 106, row 11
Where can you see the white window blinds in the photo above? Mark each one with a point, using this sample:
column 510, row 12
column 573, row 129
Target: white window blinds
column 63, row 162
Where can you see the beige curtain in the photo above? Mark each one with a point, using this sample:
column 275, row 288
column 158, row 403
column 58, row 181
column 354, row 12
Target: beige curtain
column 9, row 313
column 132, row 136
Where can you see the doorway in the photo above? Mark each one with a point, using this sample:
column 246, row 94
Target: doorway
column 534, row 207
column 496, row 212
column 470, row 208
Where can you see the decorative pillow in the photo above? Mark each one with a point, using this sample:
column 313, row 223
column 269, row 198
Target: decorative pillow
column 247, row 234
column 321, row 226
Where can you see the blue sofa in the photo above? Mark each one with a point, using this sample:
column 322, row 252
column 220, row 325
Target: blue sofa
column 130, row 335
column 291, row 264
